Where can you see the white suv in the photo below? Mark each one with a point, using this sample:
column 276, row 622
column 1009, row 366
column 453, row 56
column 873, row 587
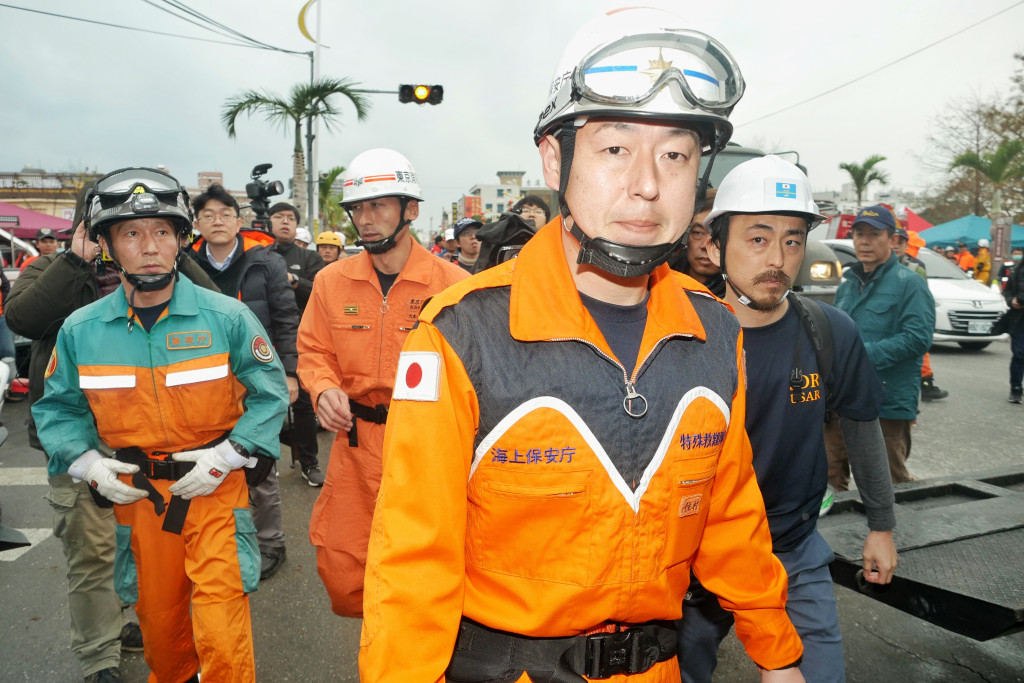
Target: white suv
column 964, row 308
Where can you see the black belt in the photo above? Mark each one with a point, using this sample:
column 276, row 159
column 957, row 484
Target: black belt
column 169, row 469
column 377, row 415
column 482, row 653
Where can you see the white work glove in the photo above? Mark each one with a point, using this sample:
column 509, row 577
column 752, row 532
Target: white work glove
column 212, row 466
column 101, row 474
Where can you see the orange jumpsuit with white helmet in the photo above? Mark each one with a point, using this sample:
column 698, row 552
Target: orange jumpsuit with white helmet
column 350, row 338
column 524, row 489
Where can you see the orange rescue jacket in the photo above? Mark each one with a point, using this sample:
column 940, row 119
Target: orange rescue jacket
column 518, row 492
column 351, row 334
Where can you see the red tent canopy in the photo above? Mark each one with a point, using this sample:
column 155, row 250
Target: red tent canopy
column 28, row 222
column 915, row 222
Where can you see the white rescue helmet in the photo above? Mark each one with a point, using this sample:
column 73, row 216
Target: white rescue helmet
column 983, row 243
column 379, row 172
column 766, row 185
column 641, row 62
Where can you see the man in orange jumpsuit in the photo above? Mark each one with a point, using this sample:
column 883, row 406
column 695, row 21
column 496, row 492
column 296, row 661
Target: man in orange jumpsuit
column 182, row 383
column 357, row 318
column 566, row 437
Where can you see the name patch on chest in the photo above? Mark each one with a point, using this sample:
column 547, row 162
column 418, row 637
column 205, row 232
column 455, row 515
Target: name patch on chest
column 528, row 456
column 188, row 340
column 689, row 505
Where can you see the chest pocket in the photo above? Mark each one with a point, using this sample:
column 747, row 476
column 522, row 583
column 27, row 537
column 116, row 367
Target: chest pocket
column 110, row 399
column 359, row 336
column 881, row 314
column 688, row 507
column 533, row 525
column 203, row 395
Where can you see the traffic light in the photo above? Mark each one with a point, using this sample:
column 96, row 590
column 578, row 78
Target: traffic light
column 420, row 94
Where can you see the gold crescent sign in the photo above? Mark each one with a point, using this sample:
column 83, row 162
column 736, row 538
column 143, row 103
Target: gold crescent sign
column 302, row 20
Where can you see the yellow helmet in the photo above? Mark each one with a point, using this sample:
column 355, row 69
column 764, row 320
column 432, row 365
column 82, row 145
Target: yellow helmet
column 329, row 237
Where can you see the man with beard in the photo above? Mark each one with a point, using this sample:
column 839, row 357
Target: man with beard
column 759, row 224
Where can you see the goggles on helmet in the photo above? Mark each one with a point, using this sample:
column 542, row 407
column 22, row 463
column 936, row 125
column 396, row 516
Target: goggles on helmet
column 629, row 72
column 128, row 180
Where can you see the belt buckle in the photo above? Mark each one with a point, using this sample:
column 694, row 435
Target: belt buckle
column 161, row 469
column 631, row 651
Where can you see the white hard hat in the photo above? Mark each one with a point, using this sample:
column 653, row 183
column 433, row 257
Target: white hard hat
column 379, row 173
column 303, row 235
column 641, row 62
column 983, row 243
column 765, row 185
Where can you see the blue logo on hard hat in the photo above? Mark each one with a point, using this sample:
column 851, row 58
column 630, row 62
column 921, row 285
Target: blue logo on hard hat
column 785, row 190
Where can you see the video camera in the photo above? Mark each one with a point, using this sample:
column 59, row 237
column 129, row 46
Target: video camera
column 259, row 193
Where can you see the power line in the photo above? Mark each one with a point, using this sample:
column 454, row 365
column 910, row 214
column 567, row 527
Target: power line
column 883, row 67
column 154, row 5
column 212, row 22
column 143, row 30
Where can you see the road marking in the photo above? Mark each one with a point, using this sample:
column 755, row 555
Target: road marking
column 34, row 536
column 23, row 476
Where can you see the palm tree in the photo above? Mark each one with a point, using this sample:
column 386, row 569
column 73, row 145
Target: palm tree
column 332, row 216
column 999, row 167
column 307, row 101
column 864, row 174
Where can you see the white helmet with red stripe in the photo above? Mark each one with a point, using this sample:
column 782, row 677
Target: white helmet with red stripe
column 379, row 173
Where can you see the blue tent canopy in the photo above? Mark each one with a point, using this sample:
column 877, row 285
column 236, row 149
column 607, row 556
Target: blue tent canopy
column 969, row 230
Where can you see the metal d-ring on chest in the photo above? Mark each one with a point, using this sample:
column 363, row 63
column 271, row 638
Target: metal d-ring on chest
column 627, row 403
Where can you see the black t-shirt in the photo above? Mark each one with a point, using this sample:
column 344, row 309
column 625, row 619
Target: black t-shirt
column 786, row 425
column 150, row 314
column 622, row 327
column 386, row 280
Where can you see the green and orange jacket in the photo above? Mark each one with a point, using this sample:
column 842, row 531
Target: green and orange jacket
column 519, row 493
column 203, row 370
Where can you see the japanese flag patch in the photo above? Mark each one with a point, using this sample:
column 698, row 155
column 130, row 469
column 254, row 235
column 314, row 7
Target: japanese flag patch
column 419, row 376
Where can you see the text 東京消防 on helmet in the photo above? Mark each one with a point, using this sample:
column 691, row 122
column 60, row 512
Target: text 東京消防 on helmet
column 380, row 173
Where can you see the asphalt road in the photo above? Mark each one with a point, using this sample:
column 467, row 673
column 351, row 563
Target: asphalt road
column 297, row 638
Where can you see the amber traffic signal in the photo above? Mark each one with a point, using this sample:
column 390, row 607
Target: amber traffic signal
column 420, row 94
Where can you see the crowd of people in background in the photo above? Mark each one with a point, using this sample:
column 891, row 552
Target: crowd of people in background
column 578, row 392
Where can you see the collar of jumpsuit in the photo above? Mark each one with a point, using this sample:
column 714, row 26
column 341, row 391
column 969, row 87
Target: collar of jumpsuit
column 416, row 268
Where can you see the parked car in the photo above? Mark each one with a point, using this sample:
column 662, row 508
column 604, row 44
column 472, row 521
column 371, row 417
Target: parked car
column 964, row 308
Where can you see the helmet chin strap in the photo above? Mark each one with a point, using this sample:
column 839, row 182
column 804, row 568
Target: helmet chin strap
column 750, row 303
column 382, row 246
column 143, row 283
column 622, row 260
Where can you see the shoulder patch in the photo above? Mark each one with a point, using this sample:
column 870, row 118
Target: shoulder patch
column 261, row 350
column 199, row 339
column 51, row 366
column 419, row 376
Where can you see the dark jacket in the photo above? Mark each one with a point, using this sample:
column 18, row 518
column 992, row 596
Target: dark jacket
column 1014, row 289
column 303, row 264
column 895, row 314
column 263, row 287
column 50, row 289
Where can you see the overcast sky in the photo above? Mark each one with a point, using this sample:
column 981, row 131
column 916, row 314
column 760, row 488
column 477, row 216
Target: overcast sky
column 78, row 95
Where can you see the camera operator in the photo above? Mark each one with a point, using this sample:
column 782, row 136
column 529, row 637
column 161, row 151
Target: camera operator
column 303, row 264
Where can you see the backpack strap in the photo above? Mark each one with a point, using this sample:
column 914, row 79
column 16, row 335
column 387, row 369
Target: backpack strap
column 814, row 320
